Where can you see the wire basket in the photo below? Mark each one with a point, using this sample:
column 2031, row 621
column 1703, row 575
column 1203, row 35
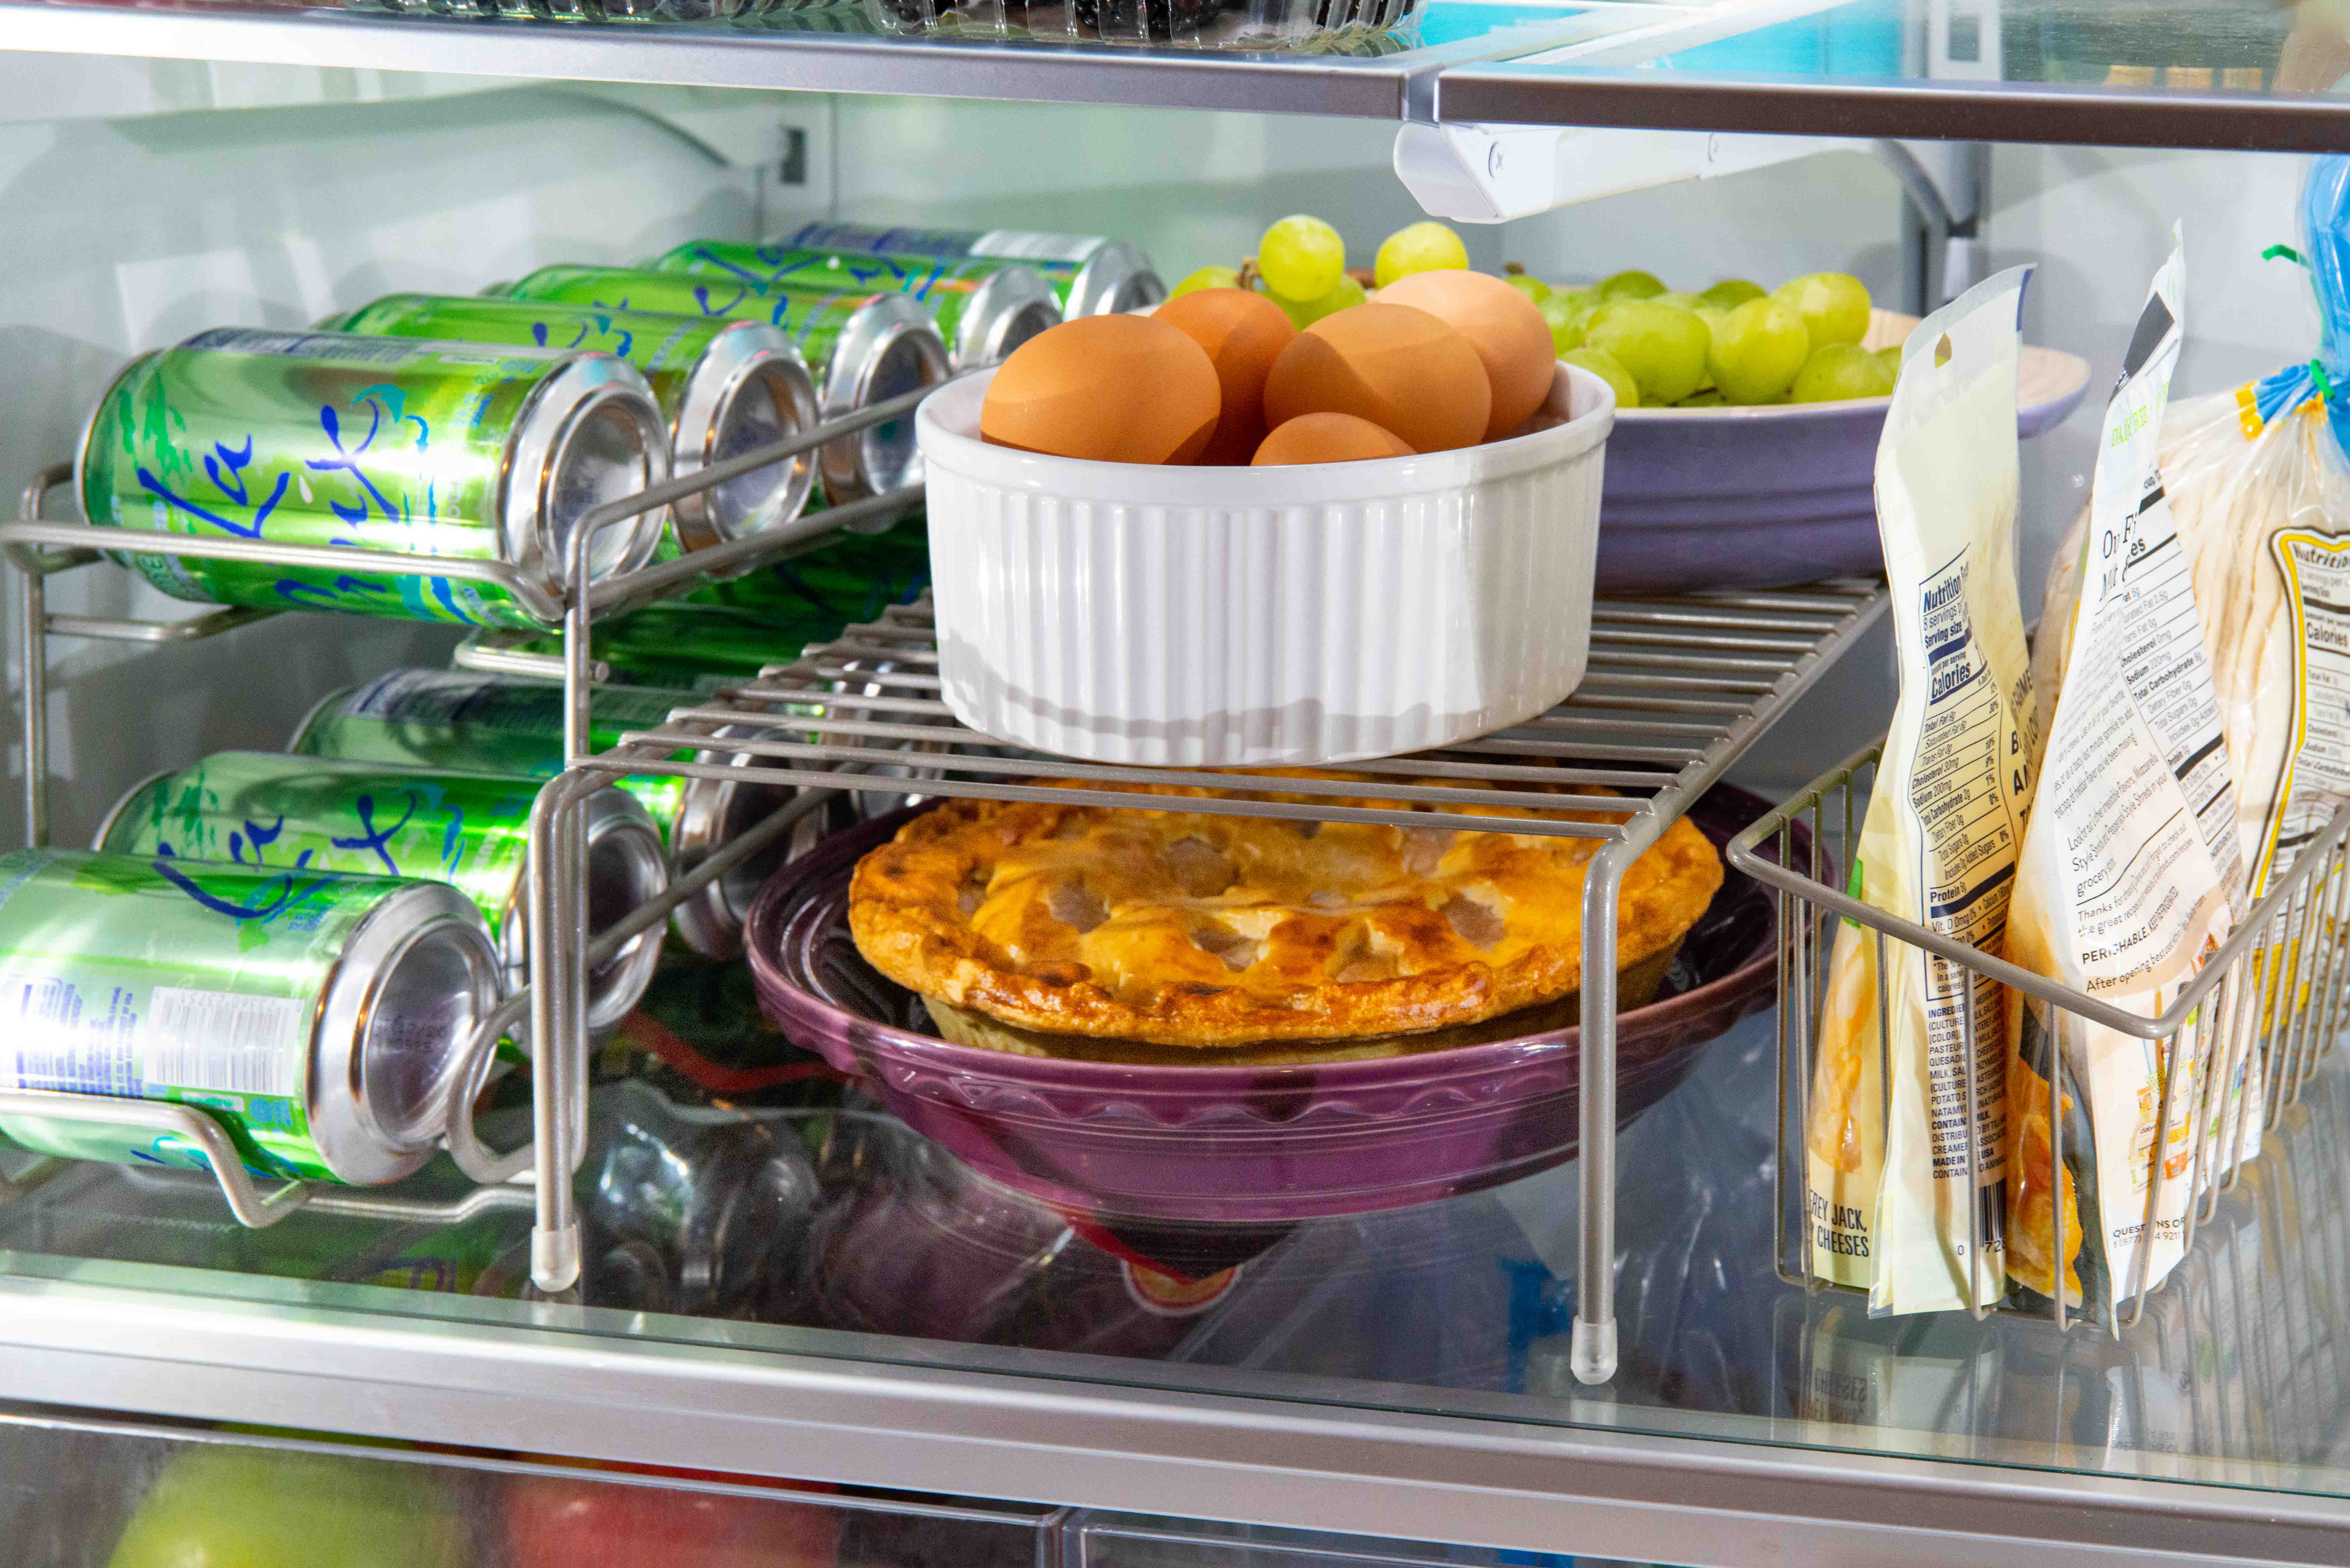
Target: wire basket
column 2261, row 1012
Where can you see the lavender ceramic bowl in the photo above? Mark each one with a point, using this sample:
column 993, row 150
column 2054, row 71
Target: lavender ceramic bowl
column 1240, row 1145
column 1754, row 497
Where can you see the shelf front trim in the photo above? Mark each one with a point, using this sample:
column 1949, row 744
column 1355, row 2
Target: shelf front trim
column 1529, row 93
column 1266, row 1461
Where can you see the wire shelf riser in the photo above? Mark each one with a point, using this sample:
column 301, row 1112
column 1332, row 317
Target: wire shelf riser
column 869, row 703
column 552, row 1001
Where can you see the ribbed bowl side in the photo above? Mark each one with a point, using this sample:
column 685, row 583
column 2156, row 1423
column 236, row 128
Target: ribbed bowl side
column 1204, row 636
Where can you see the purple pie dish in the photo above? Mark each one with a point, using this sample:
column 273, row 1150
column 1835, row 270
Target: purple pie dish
column 1245, row 1145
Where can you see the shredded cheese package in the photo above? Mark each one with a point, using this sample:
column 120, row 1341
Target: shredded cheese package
column 1845, row 1144
column 1939, row 843
column 2129, row 876
column 2259, row 489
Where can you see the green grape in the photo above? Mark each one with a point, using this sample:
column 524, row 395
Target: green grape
column 1758, row 350
column 1733, row 292
column 1633, row 284
column 1206, row 277
column 1662, row 349
column 1705, row 377
column 1301, row 257
column 1834, row 306
column 1420, row 247
column 1705, row 398
column 1580, row 298
column 1838, row 372
column 1891, row 359
column 1347, row 294
column 1530, row 285
column 1563, row 319
column 1605, row 366
column 1679, row 298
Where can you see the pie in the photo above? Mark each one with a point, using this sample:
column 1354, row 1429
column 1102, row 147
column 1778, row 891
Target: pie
column 1175, row 936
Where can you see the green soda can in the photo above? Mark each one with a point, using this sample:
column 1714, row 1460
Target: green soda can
column 469, row 830
column 866, row 346
column 845, row 583
column 985, row 308
column 724, row 387
column 1094, row 275
column 684, row 647
column 463, row 722
column 727, row 634
column 318, row 1017
column 417, row 448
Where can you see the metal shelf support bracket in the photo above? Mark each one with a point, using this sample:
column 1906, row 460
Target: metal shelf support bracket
column 1491, row 173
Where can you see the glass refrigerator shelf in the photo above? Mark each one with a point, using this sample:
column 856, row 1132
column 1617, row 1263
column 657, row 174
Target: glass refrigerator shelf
column 2180, row 73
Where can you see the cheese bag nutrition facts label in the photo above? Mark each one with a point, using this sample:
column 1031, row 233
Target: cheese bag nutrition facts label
column 1967, row 769
column 2132, row 871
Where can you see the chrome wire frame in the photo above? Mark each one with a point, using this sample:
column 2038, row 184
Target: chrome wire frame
column 1677, row 689
column 553, row 1002
column 2260, row 1013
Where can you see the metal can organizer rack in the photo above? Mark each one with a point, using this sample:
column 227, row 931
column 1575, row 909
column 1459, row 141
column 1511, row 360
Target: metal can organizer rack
column 2271, row 999
column 539, row 1174
column 1677, row 689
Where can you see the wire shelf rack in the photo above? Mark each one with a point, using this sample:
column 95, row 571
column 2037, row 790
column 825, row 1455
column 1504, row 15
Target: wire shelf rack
column 38, row 550
column 1677, row 689
column 2240, row 1040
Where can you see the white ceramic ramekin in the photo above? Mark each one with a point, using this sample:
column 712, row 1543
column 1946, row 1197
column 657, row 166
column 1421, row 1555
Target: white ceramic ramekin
column 1221, row 617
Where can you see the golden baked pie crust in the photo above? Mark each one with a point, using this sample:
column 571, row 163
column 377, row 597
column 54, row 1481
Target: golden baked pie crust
column 1188, row 929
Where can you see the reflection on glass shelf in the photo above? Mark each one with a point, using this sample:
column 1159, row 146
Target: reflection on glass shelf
column 732, row 1184
column 2158, row 44
column 2154, row 71
column 1352, row 27
column 1435, row 30
column 1094, row 1539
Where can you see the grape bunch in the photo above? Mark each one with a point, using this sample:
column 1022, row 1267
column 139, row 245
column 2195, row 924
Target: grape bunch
column 1733, row 344
column 1301, row 266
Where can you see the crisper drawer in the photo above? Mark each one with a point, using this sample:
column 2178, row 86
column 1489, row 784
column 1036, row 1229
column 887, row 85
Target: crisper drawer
column 81, row 1493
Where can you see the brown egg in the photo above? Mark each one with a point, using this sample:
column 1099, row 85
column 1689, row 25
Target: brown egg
column 1398, row 367
column 1244, row 332
column 1502, row 324
column 1328, row 438
column 1113, row 389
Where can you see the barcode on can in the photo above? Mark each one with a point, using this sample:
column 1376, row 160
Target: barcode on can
column 1022, row 244
column 224, row 1041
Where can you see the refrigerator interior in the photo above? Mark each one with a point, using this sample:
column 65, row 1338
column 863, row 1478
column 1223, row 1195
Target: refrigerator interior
column 141, row 202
